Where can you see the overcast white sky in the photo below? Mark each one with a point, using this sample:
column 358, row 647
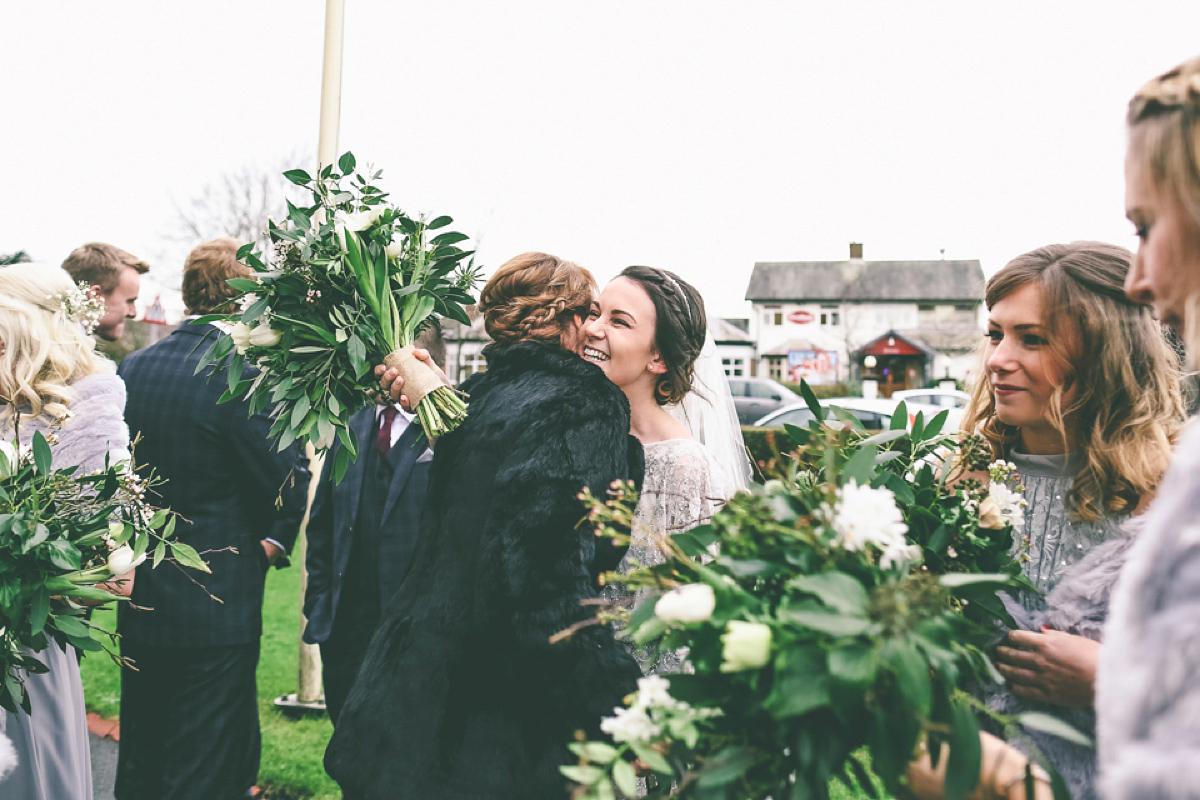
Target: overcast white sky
column 696, row 136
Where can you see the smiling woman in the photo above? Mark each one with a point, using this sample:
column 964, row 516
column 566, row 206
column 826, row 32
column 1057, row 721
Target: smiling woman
column 1080, row 391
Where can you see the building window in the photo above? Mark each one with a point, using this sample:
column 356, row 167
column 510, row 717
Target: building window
column 734, row 367
column 830, row 318
column 475, row 362
column 775, row 369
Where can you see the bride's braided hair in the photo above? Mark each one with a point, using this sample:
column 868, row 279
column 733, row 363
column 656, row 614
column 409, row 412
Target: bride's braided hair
column 679, row 328
column 535, row 297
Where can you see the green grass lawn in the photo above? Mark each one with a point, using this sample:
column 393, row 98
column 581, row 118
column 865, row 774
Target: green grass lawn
column 292, row 749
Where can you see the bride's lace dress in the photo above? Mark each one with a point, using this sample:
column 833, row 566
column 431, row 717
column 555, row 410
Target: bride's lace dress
column 684, row 486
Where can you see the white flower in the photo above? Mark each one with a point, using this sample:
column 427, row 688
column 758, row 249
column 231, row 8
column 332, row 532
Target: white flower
column 630, row 725
column 653, row 693
column 1009, row 504
column 901, row 555
column 745, row 645
column 359, row 221
column 122, row 560
column 863, row 515
column 240, row 333
column 395, row 249
column 692, row 603
column 9, row 465
column 264, row 335
column 990, row 516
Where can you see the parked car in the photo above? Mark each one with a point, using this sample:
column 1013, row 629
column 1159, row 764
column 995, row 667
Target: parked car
column 755, row 397
column 942, row 398
column 875, row 415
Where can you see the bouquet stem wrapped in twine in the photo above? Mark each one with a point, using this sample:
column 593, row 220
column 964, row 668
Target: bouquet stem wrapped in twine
column 438, row 406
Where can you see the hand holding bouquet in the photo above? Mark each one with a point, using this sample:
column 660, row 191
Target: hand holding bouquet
column 350, row 283
column 61, row 534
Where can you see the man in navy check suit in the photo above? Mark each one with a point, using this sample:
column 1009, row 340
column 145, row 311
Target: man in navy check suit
column 189, row 713
column 361, row 536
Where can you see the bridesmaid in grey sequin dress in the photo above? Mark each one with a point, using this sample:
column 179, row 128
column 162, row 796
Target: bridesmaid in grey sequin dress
column 646, row 331
column 1080, row 391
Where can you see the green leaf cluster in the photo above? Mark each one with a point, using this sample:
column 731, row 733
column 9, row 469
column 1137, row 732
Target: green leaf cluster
column 57, row 528
column 862, row 654
column 349, row 279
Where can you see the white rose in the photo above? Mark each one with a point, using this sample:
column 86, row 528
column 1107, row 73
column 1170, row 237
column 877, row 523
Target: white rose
column 121, row 560
column 264, row 335
column 990, row 516
column 240, row 333
column 361, row 220
column 745, row 645
column 692, row 603
column 396, row 248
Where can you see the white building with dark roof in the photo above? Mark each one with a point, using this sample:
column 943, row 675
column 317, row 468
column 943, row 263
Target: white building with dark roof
column 820, row 320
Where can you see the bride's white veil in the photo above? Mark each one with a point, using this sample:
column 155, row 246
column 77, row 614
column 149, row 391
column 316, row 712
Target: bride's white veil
column 710, row 416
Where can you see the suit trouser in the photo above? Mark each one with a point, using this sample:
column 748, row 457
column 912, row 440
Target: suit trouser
column 343, row 652
column 189, row 723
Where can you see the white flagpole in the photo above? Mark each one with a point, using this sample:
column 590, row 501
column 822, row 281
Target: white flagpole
column 308, row 689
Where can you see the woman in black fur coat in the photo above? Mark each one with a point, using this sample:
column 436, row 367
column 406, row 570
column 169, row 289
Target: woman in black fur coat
column 462, row 695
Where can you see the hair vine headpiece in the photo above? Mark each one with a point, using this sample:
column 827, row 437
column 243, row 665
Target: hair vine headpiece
column 80, row 306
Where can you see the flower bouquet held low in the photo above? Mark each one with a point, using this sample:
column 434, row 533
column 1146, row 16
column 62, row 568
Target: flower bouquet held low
column 351, row 281
column 834, row 623
column 61, row 534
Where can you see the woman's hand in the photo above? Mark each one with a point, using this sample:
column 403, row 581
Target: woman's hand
column 121, row 587
column 1051, row 666
column 1001, row 774
column 391, row 382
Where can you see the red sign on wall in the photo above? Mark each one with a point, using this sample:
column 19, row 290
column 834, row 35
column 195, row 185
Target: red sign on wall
column 800, row 317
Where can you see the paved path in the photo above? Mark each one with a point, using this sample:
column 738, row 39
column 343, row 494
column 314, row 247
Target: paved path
column 104, row 767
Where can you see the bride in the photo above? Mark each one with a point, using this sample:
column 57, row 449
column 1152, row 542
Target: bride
column 648, row 333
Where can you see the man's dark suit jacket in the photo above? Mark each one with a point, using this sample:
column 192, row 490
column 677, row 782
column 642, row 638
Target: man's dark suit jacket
column 334, row 515
column 227, row 482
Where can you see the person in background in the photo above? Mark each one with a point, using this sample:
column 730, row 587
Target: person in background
column 113, row 275
column 52, row 379
column 189, row 712
column 362, row 533
column 1147, row 694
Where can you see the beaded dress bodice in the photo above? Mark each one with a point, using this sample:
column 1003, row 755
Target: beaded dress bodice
column 1050, row 542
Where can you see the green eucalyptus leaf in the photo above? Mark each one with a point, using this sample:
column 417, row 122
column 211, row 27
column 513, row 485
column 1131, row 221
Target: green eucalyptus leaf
column 1054, row 726
column 296, row 176
column 346, row 163
column 625, row 778
column 41, row 453
column 962, row 768
column 186, row 555
column 861, row 466
column 835, row 589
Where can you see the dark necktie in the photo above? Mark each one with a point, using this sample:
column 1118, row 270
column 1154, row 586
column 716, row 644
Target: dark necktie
column 383, row 441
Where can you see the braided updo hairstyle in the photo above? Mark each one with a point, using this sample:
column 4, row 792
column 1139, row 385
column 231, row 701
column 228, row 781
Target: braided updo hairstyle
column 679, row 328
column 535, row 297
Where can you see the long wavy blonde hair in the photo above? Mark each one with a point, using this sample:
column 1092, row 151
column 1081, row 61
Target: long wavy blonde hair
column 1164, row 135
column 44, row 350
column 1127, row 408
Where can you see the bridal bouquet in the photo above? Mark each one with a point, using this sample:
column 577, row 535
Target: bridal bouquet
column 351, row 281
column 835, row 620
column 61, row 533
